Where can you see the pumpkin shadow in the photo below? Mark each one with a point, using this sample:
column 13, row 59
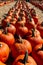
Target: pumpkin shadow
column 9, row 60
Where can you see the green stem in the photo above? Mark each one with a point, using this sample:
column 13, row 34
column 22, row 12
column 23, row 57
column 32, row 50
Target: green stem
column 33, row 32
column 20, row 39
column 25, row 58
column 8, row 24
column 6, row 31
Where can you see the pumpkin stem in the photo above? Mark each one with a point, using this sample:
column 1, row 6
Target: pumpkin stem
column 8, row 24
column 40, row 48
column 42, row 24
column 22, row 25
column 0, row 45
column 14, row 13
column 19, row 19
column 33, row 12
column 6, row 31
column 30, row 18
column 25, row 58
column 0, row 27
column 33, row 32
column 20, row 39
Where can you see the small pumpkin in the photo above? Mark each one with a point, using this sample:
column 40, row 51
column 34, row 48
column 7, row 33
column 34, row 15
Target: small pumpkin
column 21, row 20
column 4, row 22
column 13, row 21
column 33, row 13
column 22, row 30
column 11, row 28
column 24, row 60
column 29, row 22
column 4, row 51
column 38, row 53
column 40, row 28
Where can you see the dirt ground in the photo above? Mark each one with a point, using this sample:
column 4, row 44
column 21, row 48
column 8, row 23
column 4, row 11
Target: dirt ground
column 4, row 9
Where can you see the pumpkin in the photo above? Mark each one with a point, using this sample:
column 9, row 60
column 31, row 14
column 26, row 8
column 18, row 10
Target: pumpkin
column 20, row 46
column 10, row 13
column 29, row 22
column 22, row 30
column 40, row 28
column 9, row 17
column 2, row 63
column 7, row 38
column 38, row 53
column 35, row 37
column 21, row 20
column 4, row 22
column 4, row 51
column 13, row 21
column 24, row 60
column 11, row 28
column 33, row 13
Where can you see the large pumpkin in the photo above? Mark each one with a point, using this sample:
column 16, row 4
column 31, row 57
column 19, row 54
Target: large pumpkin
column 35, row 38
column 20, row 46
column 38, row 53
column 24, row 60
column 7, row 38
column 4, row 51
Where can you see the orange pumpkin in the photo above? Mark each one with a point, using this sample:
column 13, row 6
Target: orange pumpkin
column 33, row 13
column 4, row 51
column 20, row 46
column 38, row 53
column 40, row 28
column 21, row 20
column 13, row 21
column 7, row 38
column 29, row 22
column 24, row 60
column 4, row 22
column 2, row 63
column 11, row 28
column 22, row 30
column 35, row 38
